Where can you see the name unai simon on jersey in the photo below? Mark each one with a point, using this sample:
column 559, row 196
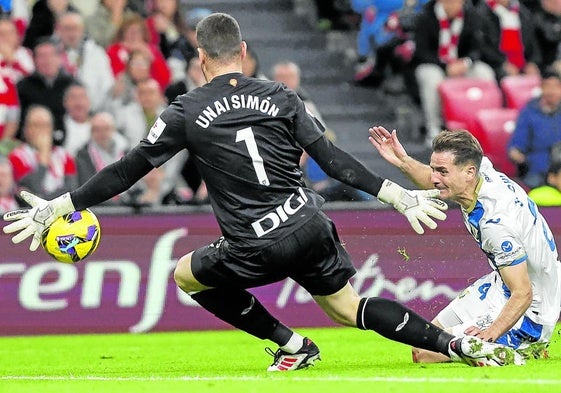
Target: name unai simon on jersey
column 236, row 102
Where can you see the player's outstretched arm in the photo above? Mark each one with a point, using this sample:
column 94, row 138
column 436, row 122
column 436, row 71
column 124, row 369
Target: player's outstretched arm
column 418, row 206
column 32, row 222
column 392, row 151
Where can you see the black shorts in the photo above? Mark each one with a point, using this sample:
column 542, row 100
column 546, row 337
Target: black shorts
column 312, row 256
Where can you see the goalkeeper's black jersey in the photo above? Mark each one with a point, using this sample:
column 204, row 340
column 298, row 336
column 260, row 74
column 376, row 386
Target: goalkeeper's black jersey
column 247, row 136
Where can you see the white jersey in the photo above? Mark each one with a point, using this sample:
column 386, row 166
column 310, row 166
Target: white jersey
column 510, row 230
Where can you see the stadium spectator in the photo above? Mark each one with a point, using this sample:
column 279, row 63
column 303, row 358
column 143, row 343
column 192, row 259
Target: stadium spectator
column 8, row 199
column 43, row 17
column 447, row 45
column 132, row 36
column 518, row 302
column 251, row 66
column 509, row 42
column 84, row 59
column 273, row 227
column 105, row 147
column 39, row 166
column 135, row 119
column 289, row 73
column 9, row 109
column 102, row 25
column 384, row 38
column 77, row 118
column 138, row 70
column 16, row 61
column 192, row 18
column 45, row 86
column 18, row 12
column 538, row 128
column 194, row 78
column 550, row 193
column 167, row 27
column 547, row 22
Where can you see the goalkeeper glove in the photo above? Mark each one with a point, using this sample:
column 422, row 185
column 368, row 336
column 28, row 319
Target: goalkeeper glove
column 32, row 222
column 414, row 205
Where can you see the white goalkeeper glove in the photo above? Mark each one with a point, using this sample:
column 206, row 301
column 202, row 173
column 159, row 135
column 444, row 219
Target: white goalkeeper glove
column 418, row 205
column 32, row 222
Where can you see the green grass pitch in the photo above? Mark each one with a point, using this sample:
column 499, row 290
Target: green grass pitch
column 232, row 361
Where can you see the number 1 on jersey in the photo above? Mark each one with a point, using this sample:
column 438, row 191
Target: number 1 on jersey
column 246, row 135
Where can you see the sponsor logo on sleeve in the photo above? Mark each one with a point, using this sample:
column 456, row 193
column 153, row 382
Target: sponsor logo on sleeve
column 156, row 130
column 506, row 246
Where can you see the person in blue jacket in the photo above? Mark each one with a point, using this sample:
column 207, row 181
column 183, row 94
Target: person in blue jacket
column 538, row 129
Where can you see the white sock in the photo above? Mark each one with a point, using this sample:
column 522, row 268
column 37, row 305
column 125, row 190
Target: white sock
column 294, row 344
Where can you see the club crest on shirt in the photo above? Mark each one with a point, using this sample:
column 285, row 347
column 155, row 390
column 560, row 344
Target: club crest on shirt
column 156, row 130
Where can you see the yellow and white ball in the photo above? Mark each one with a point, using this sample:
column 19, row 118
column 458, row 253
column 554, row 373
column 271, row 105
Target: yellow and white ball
column 72, row 237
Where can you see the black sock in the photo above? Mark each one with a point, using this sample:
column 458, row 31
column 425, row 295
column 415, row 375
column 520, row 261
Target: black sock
column 242, row 310
column 399, row 323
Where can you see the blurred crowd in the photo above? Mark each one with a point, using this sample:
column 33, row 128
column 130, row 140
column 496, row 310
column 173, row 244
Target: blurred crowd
column 414, row 46
column 81, row 82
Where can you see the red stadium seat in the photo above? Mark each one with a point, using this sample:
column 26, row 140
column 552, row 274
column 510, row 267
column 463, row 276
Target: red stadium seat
column 519, row 89
column 462, row 98
column 493, row 128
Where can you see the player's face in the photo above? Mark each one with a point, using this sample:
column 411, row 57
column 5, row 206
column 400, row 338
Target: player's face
column 453, row 181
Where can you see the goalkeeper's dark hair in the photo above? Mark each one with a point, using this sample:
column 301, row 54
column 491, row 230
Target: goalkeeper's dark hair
column 462, row 144
column 219, row 36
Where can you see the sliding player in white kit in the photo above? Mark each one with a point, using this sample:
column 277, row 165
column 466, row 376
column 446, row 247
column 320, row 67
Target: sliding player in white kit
column 518, row 303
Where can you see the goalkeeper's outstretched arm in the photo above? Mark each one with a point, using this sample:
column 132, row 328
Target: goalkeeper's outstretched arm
column 112, row 180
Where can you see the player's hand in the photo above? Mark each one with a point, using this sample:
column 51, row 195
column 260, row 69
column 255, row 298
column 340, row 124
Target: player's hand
column 32, row 222
column 416, row 206
column 387, row 145
column 485, row 335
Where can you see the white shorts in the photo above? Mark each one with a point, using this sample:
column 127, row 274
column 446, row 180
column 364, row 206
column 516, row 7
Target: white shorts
column 480, row 304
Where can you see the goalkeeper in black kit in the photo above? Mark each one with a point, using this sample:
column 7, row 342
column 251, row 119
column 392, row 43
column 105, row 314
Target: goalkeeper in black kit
column 247, row 136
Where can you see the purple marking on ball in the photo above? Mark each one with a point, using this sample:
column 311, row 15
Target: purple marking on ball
column 92, row 231
column 76, row 216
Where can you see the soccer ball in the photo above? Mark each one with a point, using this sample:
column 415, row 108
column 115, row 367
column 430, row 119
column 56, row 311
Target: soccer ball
column 72, row 237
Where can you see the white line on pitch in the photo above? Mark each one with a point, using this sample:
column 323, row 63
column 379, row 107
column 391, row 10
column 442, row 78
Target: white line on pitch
column 271, row 378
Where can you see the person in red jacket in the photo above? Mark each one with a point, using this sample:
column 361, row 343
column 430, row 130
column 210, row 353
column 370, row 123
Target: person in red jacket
column 133, row 36
column 39, row 166
column 9, row 109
